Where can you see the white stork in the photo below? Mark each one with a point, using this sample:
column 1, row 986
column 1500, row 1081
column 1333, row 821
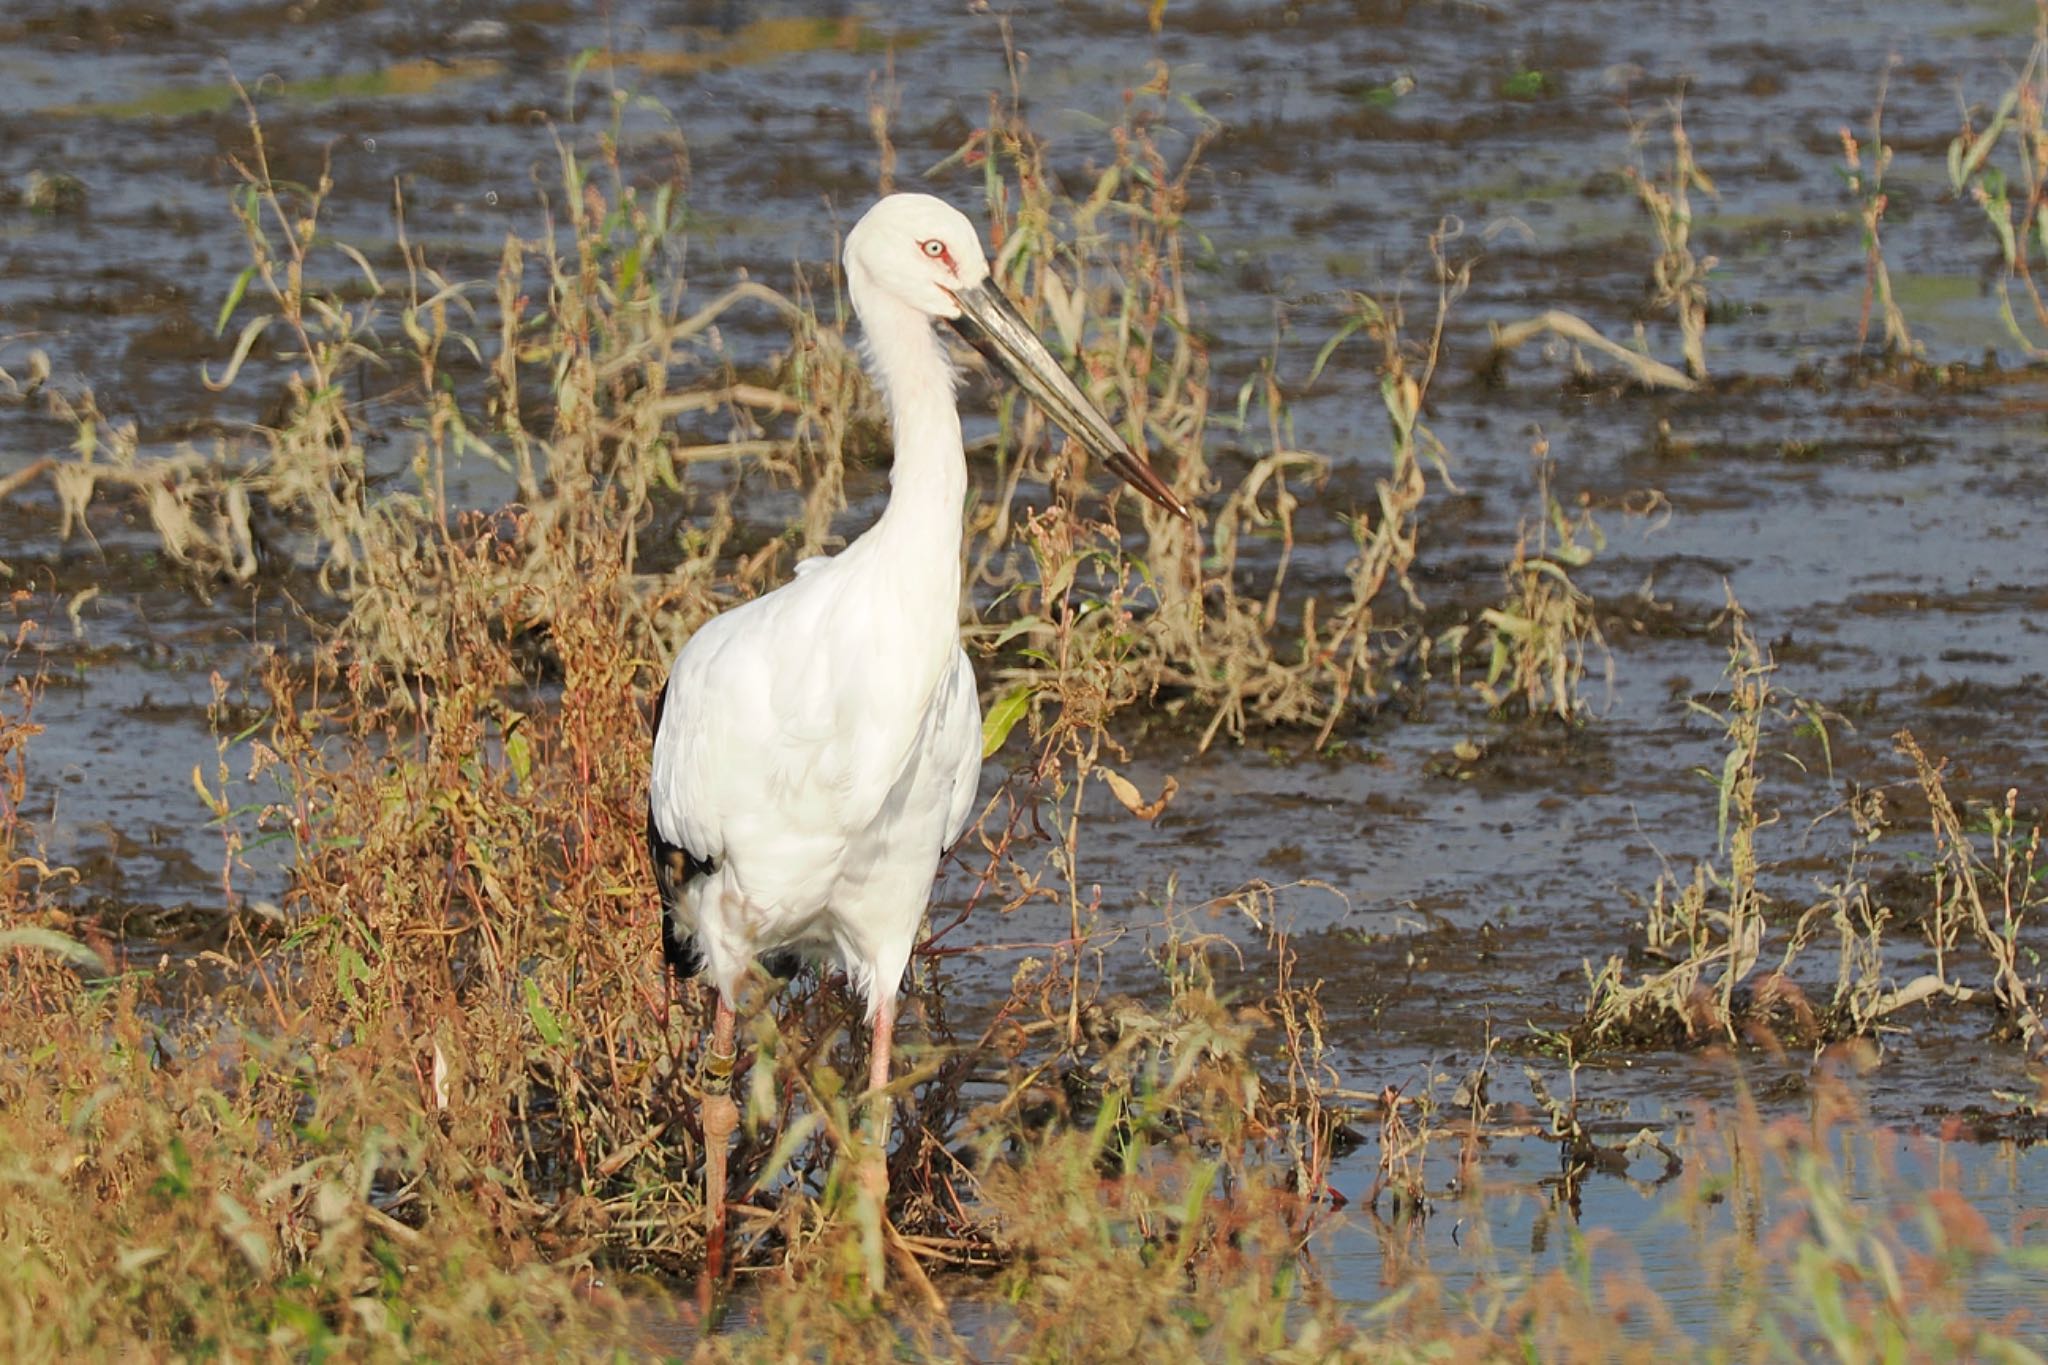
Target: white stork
column 817, row 750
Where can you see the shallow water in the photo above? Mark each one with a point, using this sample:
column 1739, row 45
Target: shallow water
column 1887, row 542
column 1524, row 1218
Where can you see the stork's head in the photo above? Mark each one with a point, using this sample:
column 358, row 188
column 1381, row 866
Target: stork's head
column 918, row 249
column 923, row 253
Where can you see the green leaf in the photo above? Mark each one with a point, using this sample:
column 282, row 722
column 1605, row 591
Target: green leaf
column 577, row 66
column 1730, row 767
column 176, row 1181
column 544, row 1021
column 1003, row 717
column 1350, row 328
column 793, row 1137
column 519, row 754
column 252, row 330
column 309, row 1325
column 227, row 310
column 1016, row 628
column 350, row 970
column 50, row 941
column 1497, row 662
column 1962, row 165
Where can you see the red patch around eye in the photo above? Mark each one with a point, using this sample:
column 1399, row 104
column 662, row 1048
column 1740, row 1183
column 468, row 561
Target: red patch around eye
column 946, row 255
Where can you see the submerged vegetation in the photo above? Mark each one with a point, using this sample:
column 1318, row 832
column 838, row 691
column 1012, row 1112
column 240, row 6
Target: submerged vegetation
column 441, row 1101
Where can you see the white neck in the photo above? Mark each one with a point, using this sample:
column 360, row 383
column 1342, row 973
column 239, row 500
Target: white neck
column 921, row 526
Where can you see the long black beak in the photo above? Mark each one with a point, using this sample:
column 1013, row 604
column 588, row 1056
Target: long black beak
column 996, row 329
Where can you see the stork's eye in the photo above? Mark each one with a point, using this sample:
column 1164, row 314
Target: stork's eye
column 934, row 248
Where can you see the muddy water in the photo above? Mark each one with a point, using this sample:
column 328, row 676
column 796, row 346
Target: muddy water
column 1450, row 875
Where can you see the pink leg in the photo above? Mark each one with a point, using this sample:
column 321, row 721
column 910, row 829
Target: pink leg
column 878, row 1054
column 721, row 1118
column 874, row 1176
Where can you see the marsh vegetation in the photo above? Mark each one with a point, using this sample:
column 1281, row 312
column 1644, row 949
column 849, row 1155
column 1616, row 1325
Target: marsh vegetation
column 1595, row 724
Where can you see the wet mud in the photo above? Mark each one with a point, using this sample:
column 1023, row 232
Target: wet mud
column 1447, row 874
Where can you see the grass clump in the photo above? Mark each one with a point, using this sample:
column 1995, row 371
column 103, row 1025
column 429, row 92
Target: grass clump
column 1708, row 931
column 1541, row 632
column 1203, row 645
column 2011, row 188
column 1678, row 273
column 1974, row 881
column 443, row 1105
column 1866, row 184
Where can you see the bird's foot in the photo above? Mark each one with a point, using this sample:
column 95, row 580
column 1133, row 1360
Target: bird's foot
column 720, row 1118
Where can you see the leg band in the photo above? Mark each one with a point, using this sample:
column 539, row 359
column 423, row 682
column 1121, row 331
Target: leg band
column 718, row 1072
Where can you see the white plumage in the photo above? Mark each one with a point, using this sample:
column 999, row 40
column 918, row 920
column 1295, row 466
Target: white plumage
column 817, row 749
column 821, row 755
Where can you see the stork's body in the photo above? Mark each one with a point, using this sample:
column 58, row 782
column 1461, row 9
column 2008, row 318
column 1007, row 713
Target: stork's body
column 818, row 752
column 817, row 749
